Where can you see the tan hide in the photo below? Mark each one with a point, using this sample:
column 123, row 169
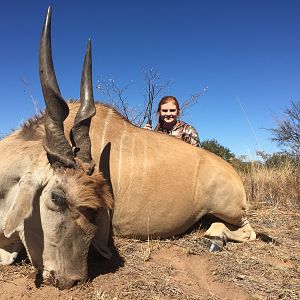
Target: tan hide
column 161, row 185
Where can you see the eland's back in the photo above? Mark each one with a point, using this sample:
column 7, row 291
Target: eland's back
column 161, row 185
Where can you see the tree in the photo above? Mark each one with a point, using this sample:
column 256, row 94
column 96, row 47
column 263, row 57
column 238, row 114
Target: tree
column 215, row 147
column 192, row 100
column 116, row 96
column 29, row 92
column 155, row 87
column 136, row 114
column 276, row 159
column 287, row 132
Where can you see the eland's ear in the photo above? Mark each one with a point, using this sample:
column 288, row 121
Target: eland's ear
column 100, row 241
column 22, row 205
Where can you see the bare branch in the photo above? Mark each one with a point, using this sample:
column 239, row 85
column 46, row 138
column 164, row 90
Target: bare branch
column 155, row 87
column 116, row 96
column 192, row 100
column 287, row 132
column 29, row 92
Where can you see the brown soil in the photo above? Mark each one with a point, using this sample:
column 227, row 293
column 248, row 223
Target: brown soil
column 182, row 268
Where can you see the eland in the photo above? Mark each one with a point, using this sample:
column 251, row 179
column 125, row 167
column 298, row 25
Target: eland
column 69, row 174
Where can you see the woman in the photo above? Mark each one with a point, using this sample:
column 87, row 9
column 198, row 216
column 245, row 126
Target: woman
column 168, row 111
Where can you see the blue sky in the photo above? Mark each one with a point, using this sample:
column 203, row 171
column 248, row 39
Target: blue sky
column 246, row 52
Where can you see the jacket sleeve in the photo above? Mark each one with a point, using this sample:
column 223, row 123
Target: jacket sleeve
column 192, row 137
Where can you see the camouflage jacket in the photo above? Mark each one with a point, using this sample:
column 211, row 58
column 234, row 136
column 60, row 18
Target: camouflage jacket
column 185, row 132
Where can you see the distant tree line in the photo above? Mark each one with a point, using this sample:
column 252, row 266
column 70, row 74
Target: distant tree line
column 215, row 147
column 274, row 160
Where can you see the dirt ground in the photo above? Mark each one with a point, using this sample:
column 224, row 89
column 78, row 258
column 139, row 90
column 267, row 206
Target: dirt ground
column 182, row 268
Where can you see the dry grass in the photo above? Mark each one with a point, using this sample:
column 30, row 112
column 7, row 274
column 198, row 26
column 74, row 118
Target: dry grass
column 272, row 187
column 182, row 268
column 266, row 270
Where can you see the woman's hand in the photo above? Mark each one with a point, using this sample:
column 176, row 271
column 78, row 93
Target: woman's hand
column 148, row 126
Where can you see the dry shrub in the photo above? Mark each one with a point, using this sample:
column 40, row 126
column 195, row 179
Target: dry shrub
column 272, row 186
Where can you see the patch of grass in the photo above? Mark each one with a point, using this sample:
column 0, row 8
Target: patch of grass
column 272, row 187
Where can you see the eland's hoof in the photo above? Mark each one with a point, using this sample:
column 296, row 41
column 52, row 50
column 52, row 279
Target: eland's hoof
column 213, row 244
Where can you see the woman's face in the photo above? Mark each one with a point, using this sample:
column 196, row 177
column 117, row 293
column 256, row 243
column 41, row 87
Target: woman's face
column 168, row 112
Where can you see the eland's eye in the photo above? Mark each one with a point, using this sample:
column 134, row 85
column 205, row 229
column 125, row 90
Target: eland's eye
column 59, row 198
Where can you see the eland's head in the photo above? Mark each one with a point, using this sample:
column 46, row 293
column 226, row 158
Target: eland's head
column 61, row 203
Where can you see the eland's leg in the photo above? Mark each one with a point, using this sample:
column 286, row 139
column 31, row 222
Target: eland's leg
column 9, row 254
column 9, row 249
column 231, row 232
column 6, row 257
column 218, row 233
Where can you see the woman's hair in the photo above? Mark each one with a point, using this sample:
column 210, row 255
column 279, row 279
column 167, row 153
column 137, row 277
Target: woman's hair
column 164, row 100
column 167, row 99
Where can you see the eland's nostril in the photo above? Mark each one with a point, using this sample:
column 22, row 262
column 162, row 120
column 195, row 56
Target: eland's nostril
column 62, row 282
column 67, row 283
column 78, row 282
column 49, row 277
